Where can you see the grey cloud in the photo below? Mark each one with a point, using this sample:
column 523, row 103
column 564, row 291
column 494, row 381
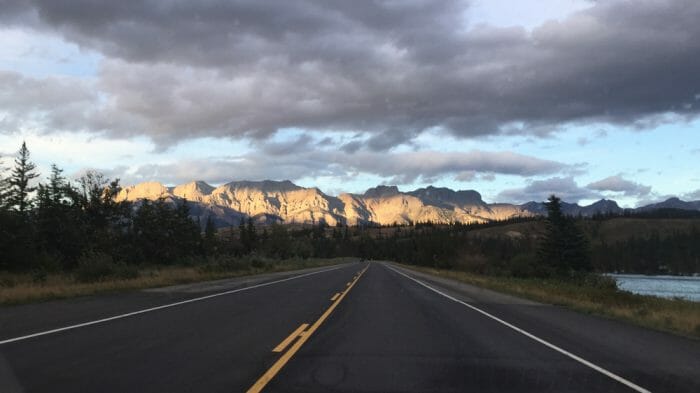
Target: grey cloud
column 50, row 104
column 225, row 169
column 400, row 168
column 302, row 143
column 488, row 177
column 466, row 176
column 539, row 190
column 692, row 196
column 351, row 147
column 618, row 184
column 177, row 70
column 411, row 166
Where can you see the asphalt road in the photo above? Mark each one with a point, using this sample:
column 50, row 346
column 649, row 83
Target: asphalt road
column 352, row 328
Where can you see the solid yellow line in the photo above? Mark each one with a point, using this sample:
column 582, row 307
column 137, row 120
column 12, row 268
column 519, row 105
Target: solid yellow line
column 272, row 371
column 335, row 297
column 284, row 344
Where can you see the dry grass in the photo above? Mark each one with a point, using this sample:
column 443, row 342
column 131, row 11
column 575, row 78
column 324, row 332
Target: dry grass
column 670, row 315
column 25, row 288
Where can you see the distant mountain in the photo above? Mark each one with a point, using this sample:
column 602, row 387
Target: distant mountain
column 269, row 201
column 448, row 197
column 603, row 206
column 672, row 203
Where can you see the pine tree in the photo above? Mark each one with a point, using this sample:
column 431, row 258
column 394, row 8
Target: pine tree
column 563, row 250
column 209, row 237
column 251, row 235
column 58, row 219
column 54, row 193
column 21, row 175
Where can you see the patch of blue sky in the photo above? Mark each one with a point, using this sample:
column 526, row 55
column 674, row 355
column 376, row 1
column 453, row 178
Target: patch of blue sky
column 206, row 148
column 526, row 13
column 332, row 185
column 39, row 55
column 68, row 151
column 659, row 156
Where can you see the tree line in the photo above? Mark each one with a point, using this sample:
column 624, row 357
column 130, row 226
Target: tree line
column 62, row 225
column 59, row 224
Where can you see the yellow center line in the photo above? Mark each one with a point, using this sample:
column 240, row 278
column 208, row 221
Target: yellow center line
column 284, row 344
column 272, row 371
column 335, row 296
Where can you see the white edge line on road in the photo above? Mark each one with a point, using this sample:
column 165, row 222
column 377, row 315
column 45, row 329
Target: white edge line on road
column 532, row 336
column 143, row 311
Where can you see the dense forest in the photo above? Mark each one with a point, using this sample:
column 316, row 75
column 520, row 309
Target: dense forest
column 59, row 225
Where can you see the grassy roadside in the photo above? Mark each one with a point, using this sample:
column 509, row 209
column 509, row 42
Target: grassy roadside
column 669, row 315
column 25, row 288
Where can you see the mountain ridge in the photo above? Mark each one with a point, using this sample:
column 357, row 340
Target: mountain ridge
column 271, row 201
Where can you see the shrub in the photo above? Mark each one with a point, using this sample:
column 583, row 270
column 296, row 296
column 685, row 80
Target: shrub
column 39, row 276
column 224, row 263
column 98, row 266
column 599, row 281
column 524, row 265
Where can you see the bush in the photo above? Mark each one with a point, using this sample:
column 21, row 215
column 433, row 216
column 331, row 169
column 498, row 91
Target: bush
column 600, row 281
column 39, row 276
column 97, row 266
column 257, row 262
column 225, row 263
column 473, row 263
column 523, row 265
column 7, row 281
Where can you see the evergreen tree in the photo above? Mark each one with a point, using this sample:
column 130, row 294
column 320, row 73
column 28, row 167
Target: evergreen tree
column 563, row 249
column 209, row 237
column 58, row 219
column 21, row 175
column 243, row 236
column 248, row 235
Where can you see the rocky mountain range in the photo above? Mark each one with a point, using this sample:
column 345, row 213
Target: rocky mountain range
column 285, row 202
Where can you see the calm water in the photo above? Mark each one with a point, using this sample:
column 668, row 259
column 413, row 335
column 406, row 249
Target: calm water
column 662, row 286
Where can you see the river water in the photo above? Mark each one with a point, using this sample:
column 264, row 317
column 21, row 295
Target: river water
column 661, row 286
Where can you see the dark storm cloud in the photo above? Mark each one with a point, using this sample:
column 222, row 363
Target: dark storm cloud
column 180, row 69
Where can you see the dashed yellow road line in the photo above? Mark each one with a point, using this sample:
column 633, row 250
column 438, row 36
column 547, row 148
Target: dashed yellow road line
column 335, row 296
column 303, row 336
column 284, row 344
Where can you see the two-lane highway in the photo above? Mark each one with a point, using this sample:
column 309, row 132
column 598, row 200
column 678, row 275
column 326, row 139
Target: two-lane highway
column 216, row 344
column 353, row 328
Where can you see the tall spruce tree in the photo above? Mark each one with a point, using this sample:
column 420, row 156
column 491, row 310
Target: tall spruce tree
column 564, row 250
column 58, row 219
column 22, row 173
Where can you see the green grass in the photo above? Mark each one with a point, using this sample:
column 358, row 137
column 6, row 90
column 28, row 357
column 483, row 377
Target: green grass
column 30, row 287
column 670, row 315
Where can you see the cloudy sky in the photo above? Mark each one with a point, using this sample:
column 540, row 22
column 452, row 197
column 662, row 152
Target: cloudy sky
column 585, row 99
